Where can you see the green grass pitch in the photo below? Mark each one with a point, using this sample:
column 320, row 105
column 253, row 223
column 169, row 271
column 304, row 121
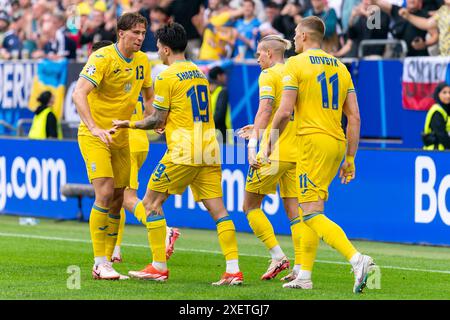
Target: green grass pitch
column 34, row 261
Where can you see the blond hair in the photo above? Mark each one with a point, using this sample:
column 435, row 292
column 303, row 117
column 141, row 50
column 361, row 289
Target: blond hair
column 314, row 27
column 276, row 43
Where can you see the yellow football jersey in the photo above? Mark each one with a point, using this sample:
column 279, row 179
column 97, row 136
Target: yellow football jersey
column 118, row 82
column 138, row 138
column 322, row 83
column 190, row 131
column 216, row 33
column 271, row 87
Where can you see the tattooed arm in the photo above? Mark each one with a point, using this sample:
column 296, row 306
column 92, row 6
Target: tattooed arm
column 154, row 121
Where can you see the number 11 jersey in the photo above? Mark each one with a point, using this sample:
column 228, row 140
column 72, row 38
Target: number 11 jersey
column 322, row 83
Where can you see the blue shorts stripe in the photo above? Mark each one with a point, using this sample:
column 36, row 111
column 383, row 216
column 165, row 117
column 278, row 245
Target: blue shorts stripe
column 100, row 209
column 155, row 218
column 223, row 219
column 312, row 215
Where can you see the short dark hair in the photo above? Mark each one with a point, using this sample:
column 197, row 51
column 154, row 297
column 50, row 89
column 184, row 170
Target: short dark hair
column 215, row 72
column 44, row 98
column 161, row 10
column 130, row 19
column 100, row 44
column 251, row 1
column 273, row 5
column 173, row 36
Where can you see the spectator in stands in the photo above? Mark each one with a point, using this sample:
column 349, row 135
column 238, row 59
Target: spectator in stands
column 328, row 16
column 12, row 43
column 218, row 33
column 97, row 29
column 158, row 17
column 272, row 11
column 259, row 12
column 436, row 135
column 361, row 30
column 404, row 30
column 149, row 44
column 54, row 49
column 4, row 25
column 183, row 12
column 45, row 125
column 347, row 10
column 441, row 20
column 287, row 21
column 247, row 32
column 219, row 100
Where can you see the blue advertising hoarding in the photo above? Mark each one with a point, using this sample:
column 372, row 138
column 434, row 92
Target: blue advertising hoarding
column 398, row 196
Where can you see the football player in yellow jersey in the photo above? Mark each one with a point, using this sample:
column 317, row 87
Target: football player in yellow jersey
column 192, row 159
column 139, row 146
column 318, row 88
column 262, row 179
column 108, row 88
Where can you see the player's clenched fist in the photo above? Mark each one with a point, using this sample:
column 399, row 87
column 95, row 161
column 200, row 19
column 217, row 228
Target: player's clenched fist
column 348, row 170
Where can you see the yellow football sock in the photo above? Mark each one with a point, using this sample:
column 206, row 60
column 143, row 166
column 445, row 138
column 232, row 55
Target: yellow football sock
column 98, row 223
column 309, row 243
column 121, row 227
column 226, row 233
column 331, row 233
column 156, row 232
column 139, row 212
column 296, row 233
column 111, row 234
column 262, row 228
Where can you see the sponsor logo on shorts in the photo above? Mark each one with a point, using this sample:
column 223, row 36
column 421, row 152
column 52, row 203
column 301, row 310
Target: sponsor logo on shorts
column 93, row 166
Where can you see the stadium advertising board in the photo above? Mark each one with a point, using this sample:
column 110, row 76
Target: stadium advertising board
column 398, row 196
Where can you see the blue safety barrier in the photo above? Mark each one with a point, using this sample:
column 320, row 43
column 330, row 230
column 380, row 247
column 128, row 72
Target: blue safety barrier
column 398, row 196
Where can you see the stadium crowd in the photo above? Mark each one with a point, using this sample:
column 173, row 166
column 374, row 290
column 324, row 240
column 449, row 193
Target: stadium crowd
column 219, row 29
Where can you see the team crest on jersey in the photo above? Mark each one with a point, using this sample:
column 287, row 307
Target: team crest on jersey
column 93, row 166
column 90, row 69
column 127, row 87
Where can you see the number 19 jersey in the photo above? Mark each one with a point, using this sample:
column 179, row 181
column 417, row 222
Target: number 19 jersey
column 183, row 90
column 322, row 83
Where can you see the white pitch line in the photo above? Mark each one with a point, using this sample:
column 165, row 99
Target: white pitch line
column 28, row 236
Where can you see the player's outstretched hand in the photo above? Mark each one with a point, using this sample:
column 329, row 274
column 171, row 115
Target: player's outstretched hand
column 245, row 132
column 121, row 124
column 348, row 171
column 252, row 159
column 104, row 135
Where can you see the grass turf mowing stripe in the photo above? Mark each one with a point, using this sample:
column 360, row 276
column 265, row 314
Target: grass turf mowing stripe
column 18, row 235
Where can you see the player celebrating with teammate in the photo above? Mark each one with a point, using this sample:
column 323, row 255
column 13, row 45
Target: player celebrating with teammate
column 139, row 146
column 108, row 88
column 318, row 87
column 262, row 178
column 192, row 159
